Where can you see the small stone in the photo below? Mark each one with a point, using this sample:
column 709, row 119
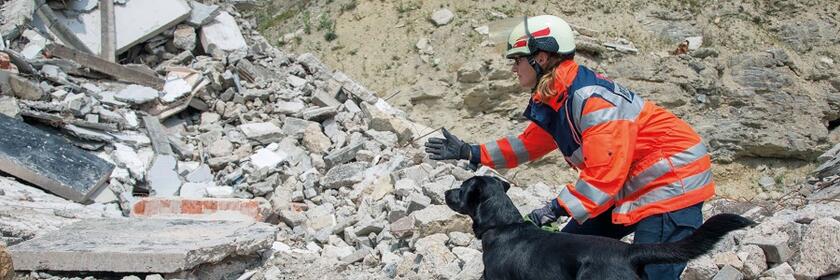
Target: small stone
column 295, row 81
column 266, row 158
column 289, row 108
column 9, row 106
column 694, row 43
column 701, row 268
column 356, row 256
column 343, row 155
column 315, row 140
column 780, row 272
column 728, row 273
column 201, row 174
column 344, row 175
column 265, row 132
column 440, row 219
column 320, row 114
column 24, row 89
column 459, row 239
column 174, row 89
column 442, row 17
column 220, row 192
column 819, row 249
column 220, row 148
column 766, row 182
column 184, row 38
column 754, row 260
column 195, row 190
column 417, row 201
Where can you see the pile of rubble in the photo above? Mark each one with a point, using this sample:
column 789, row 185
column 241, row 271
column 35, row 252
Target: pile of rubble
column 206, row 153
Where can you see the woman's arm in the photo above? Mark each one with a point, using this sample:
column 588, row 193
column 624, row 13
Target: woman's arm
column 510, row 152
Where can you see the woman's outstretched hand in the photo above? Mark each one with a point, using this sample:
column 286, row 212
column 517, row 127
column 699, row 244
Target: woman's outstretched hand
column 449, row 147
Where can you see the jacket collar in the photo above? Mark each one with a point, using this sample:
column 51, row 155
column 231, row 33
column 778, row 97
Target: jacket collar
column 564, row 75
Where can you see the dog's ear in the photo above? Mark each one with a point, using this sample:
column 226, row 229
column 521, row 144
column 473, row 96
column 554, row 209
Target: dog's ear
column 505, row 185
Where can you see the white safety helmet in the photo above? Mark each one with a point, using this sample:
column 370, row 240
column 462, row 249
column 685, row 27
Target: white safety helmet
column 541, row 33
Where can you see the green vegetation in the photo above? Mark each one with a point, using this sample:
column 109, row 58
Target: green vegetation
column 349, row 6
column 307, row 28
column 269, row 17
column 407, row 6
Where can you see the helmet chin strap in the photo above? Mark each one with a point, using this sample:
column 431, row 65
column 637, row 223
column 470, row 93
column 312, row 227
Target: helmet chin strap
column 532, row 57
column 537, row 70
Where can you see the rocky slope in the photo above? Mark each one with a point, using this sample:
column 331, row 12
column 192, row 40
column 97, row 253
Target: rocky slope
column 761, row 89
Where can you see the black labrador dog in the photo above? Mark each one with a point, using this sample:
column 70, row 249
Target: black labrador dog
column 516, row 249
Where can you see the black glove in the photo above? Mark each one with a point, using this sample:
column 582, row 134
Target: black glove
column 547, row 214
column 449, row 147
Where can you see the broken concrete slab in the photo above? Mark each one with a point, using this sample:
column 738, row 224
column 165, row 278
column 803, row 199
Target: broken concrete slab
column 200, row 208
column 136, row 95
column 50, row 162
column 87, row 134
column 141, row 245
column 202, row 14
column 136, row 22
column 163, row 176
column 222, row 34
column 174, row 89
column 28, row 212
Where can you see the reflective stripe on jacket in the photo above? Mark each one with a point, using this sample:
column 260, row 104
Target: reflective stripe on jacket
column 631, row 154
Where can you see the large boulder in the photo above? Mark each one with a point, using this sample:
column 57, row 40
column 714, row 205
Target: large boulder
column 818, row 252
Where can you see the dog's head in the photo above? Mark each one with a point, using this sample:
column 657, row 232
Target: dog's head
column 484, row 199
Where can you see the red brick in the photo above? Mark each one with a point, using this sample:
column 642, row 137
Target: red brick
column 170, row 207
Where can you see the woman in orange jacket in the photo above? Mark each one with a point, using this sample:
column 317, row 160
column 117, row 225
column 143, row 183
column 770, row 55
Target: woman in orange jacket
column 637, row 161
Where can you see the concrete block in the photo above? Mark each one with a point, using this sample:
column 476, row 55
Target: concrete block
column 136, row 22
column 141, row 245
column 222, row 34
column 202, row 208
column 50, row 162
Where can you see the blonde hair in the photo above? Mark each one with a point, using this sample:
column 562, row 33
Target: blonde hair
column 545, row 86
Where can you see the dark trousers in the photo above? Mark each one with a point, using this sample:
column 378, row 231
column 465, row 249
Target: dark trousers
column 661, row 228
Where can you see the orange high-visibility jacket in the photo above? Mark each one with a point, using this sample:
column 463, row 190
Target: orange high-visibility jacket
column 631, row 154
